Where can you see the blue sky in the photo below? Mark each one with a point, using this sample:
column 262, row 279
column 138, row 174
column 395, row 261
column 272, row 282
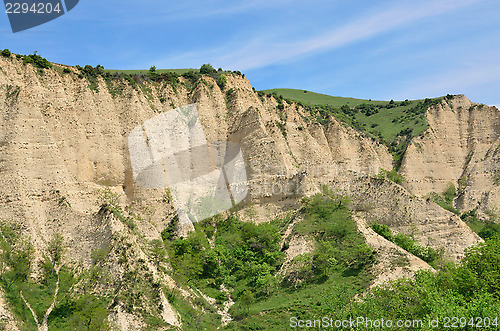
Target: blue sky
column 389, row 49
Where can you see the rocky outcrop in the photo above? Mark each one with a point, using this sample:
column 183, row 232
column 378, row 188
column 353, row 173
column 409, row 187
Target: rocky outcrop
column 460, row 147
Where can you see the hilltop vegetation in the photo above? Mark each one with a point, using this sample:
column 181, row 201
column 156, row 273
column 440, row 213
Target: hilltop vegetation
column 247, row 259
column 313, row 98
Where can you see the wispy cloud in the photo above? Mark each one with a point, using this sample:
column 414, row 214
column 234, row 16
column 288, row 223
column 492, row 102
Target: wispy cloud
column 158, row 11
column 260, row 52
column 478, row 77
column 215, row 8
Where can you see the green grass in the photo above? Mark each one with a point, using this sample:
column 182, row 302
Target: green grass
column 246, row 257
column 484, row 229
column 72, row 311
column 384, row 119
column 445, row 200
column 338, row 268
column 313, row 98
column 428, row 254
column 386, row 125
column 320, row 299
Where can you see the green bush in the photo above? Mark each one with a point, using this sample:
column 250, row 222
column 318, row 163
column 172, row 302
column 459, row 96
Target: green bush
column 207, row 69
column 191, row 76
column 222, row 81
column 404, row 241
column 392, row 175
column 489, row 230
column 6, row 53
column 428, row 254
column 496, row 178
column 446, row 203
column 449, row 193
column 339, row 245
column 470, row 290
column 92, row 74
column 72, row 311
column 37, row 61
column 484, row 229
column 383, row 230
column 245, row 256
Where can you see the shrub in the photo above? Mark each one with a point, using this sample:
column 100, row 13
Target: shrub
column 169, row 232
column 6, row 53
column 489, row 230
column 92, row 74
column 222, row 81
column 383, row 230
column 37, row 61
column 191, row 76
column 449, row 193
column 496, row 178
column 442, row 202
column 207, row 69
column 428, row 254
column 390, row 175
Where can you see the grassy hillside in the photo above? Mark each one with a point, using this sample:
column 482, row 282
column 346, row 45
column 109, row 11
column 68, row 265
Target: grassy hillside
column 247, row 258
column 312, row 98
column 393, row 123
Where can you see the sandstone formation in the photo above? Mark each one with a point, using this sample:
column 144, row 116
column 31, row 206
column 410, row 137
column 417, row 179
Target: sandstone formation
column 62, row 144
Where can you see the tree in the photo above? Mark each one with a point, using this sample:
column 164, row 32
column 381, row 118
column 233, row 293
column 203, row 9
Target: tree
column 222, row 81
column 56, row 248
column 483, row 261
column 246, row 299
column 207, row 69
column 267, row 284
column 157, row 249
column 191, row 266
column 6, row 53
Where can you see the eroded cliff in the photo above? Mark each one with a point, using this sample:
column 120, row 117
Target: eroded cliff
column 63, row 143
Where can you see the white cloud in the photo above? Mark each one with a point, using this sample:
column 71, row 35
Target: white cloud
column 159, row 11
column 193, row 9
column 480, row 76
column 261, row 52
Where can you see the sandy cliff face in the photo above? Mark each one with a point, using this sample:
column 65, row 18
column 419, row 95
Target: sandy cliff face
column 61, row 144
column 461, row 148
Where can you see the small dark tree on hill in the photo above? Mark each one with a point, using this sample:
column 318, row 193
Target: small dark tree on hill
column 246, row 299
column 207, row 69
column 222, row 81
column 6, row 53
